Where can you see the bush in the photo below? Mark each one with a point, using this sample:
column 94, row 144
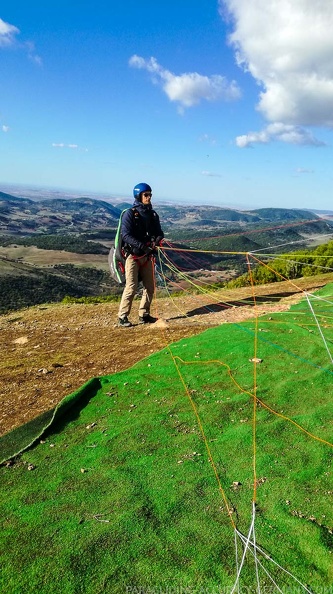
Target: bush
column 291, row 266
column 92, row 299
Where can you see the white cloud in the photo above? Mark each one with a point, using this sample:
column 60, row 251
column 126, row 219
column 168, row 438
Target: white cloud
column 302, row 170
column 70, row 146
column 190, row 88
column 7, row 33
column 30, row 47
column 63, row 145
column 4, row 128
column 278, row 131
column 210, row 174
column 207, row 138
column 287, row 46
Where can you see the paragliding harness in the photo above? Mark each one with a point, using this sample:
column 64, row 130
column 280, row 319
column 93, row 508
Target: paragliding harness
column 120, row 250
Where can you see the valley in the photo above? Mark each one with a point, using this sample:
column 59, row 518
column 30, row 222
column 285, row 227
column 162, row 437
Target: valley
column 57, row 247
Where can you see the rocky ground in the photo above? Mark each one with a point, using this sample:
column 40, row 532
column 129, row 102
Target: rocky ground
column 49, row 351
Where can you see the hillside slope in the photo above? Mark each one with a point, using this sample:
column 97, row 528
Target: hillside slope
column 49, row 351
column 20, row 215
column 206, row 465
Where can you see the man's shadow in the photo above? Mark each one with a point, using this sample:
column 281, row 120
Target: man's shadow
column 224, row 305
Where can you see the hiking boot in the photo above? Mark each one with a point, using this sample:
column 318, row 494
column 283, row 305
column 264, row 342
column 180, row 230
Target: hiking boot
column 124, row 322
column 147, row 319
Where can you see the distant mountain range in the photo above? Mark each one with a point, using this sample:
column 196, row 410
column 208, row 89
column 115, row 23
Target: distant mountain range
column 23, row 216
column 86, row 226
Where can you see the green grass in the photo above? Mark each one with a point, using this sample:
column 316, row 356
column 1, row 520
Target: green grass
column 147, row 513
column 31, row 255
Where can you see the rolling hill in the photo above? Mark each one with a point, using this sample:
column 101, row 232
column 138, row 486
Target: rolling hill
column 83, row 225
column 22, row 216
column 19, row 215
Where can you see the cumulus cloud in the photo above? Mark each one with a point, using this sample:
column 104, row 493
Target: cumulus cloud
column 7, row 33
column 287, row 46
column 278, row 131
column 4, row 128
column 190, row 88
column 8, row 37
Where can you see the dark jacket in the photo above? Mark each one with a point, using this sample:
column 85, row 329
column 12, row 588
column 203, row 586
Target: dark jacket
column 140, row 227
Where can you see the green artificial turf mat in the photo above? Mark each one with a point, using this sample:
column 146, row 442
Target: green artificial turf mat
column 122, row 494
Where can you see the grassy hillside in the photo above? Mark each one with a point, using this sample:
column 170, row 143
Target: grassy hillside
column 288, row 266
column 69, row 243
column 148, row 479
column 23, row 216
column 8, row 198
column 284, row 214
column 23, row 285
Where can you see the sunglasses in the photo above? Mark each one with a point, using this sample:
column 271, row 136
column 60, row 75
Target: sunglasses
column 146, row 194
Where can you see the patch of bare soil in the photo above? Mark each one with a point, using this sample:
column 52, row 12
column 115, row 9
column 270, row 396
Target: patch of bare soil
column 49, row 351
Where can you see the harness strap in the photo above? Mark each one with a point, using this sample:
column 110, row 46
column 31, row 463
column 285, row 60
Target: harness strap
column 138, row 260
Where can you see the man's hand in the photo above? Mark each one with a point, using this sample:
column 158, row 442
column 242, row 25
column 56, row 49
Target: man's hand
column 149, row 250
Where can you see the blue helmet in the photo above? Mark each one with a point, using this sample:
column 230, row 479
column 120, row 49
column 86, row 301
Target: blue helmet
column 141, row 188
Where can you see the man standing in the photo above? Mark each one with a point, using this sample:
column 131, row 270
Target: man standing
column 141, row 232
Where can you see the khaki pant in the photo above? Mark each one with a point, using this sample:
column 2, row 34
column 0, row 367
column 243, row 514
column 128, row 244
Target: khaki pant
column 133, row 268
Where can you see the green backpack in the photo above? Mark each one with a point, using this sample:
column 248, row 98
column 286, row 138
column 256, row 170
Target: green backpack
column 117, row 255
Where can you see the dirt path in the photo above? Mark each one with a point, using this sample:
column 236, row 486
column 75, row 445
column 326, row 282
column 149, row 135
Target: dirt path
column 49, row 351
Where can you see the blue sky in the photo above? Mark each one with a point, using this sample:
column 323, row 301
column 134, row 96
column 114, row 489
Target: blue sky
column 225, row 102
